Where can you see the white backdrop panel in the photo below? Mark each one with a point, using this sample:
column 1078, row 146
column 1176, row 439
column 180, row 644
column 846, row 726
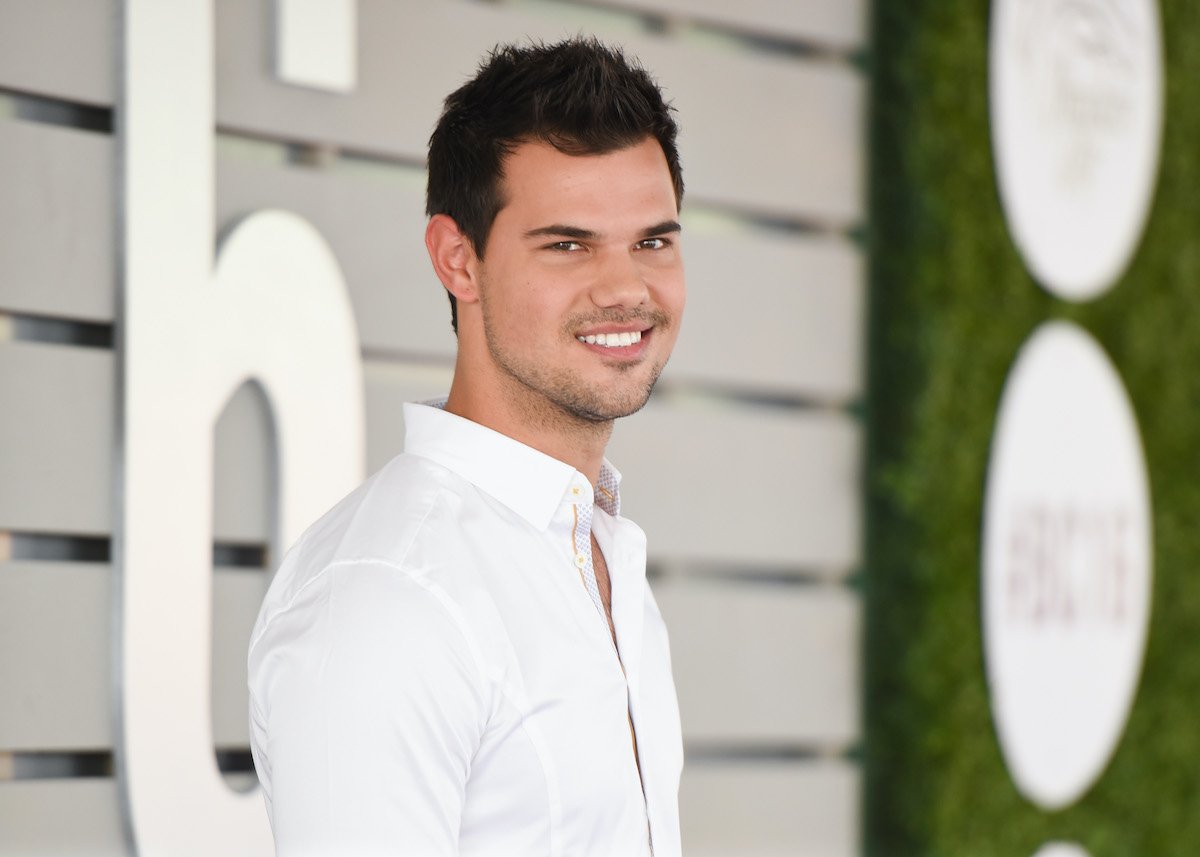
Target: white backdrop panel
column 244, row 470
column 389, row 386
column 56, row 438
column 764, row 664
column 752, row 486
column 770, row 809
column 56, row 216
column 237, row 594
column 838, row 24
column 83, row 36
column 54, row 667
column 773, row 313
column 64, row 818
column 794, row 150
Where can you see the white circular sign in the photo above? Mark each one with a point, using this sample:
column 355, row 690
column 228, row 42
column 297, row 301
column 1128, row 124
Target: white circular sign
column 1076, row 110
column 1061, row 849
column 1066, row 565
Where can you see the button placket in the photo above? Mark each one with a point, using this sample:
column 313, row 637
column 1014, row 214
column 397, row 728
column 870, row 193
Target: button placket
column 581, row 544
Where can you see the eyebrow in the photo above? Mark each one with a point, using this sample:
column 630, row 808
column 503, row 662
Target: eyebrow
column 663, row 228
column 561, row 230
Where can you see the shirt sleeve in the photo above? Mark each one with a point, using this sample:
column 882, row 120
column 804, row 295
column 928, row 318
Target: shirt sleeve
column 367, row 707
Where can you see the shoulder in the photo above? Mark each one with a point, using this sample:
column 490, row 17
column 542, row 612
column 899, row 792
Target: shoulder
column 380, row 518
column 365, row 615
column 367, row 553
column 378, row 523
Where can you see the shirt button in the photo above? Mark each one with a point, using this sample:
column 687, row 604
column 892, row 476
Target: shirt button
column 580, row 560
column 575, row 490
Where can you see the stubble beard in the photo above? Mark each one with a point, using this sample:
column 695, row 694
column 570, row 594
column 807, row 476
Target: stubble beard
column 552, row 395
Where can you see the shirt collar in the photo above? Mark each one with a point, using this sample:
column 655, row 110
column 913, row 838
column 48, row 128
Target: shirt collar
column 529, row 482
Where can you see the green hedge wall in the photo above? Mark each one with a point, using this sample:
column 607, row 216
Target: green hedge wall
column 951, row 303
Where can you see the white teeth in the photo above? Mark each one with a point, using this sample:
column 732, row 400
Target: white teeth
column 612, row 340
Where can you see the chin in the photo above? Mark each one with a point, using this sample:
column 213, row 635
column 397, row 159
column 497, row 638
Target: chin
column 596, row 409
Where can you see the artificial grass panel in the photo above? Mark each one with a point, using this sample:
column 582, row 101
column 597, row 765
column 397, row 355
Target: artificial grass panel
column 951, row 304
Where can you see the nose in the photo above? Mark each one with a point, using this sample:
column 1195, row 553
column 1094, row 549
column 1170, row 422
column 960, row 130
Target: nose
column 620, row 282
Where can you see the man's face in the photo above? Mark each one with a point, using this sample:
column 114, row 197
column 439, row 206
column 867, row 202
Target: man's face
column 582, row 288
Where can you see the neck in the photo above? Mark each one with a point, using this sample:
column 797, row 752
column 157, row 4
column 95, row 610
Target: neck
column 505, row 405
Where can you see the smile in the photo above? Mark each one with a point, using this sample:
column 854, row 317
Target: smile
column 612, row 340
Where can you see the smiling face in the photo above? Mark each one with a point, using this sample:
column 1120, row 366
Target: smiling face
column 581, row 290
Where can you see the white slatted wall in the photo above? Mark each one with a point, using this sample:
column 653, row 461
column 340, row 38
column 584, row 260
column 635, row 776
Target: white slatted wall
column 744, row 470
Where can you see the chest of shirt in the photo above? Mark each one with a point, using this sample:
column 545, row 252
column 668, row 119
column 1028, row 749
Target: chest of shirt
column 561, row 713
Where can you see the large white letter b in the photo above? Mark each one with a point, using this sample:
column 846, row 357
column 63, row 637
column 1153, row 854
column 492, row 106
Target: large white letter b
column 272, row 308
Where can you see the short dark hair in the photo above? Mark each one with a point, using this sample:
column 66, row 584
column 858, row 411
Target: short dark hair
column 581, row 96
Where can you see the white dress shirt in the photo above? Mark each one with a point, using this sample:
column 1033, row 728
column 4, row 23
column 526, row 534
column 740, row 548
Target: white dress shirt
column 429, row 676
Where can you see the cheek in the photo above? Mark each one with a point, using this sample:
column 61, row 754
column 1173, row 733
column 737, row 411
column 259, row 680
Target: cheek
column 673, row 295
column 548, row 300
column 510, row 298
column 532, row 317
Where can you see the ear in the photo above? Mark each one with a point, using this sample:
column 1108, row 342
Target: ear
column 453, row 258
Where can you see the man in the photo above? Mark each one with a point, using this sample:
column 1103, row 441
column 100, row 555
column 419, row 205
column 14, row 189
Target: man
column 463, row 657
